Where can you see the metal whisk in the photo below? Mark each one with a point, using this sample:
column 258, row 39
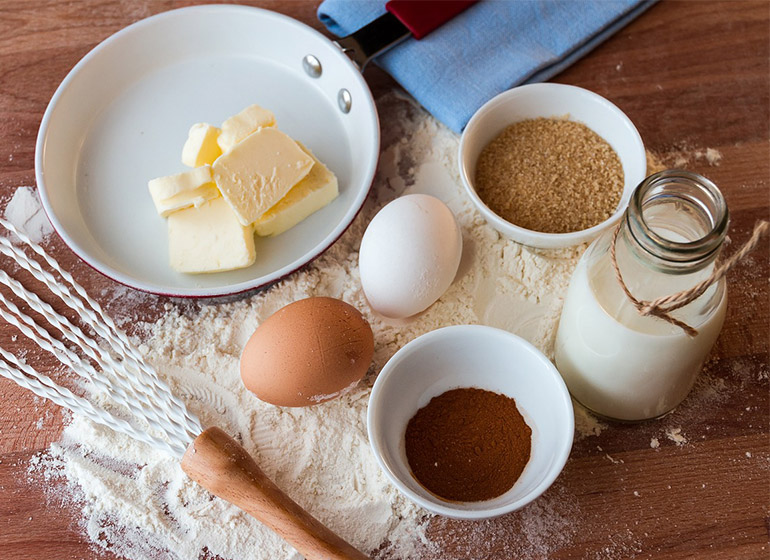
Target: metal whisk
column 114, row 367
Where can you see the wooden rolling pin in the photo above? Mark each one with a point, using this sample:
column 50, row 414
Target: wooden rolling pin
column 219, row 464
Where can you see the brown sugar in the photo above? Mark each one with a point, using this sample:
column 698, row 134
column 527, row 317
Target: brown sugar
column 550, row 175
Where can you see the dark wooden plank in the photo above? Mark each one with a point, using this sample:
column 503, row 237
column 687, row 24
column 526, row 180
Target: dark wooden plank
column 692, row 76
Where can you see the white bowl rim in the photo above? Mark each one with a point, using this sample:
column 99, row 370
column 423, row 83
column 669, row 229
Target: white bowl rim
column 526, row 236
column 442, row 507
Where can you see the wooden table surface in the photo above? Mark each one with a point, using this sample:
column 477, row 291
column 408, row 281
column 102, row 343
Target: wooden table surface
column 693, row 76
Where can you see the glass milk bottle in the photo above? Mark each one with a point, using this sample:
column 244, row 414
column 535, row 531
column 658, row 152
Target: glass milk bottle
column 622, row 364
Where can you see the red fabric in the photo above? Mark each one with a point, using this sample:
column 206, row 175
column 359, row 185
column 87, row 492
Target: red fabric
column 423, row 16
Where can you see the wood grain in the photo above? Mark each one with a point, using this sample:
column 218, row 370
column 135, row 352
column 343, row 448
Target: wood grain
column 692, row 76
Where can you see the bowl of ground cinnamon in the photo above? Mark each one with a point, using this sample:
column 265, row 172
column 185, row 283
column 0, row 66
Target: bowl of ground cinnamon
column 551, row 165
column 470, row 422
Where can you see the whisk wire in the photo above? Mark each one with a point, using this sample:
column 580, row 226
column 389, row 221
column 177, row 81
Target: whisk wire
column 117, row 389
column 42, row 385
column 103, row 325
column 123, row 375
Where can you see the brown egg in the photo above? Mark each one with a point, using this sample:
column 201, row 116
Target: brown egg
column 308, row 352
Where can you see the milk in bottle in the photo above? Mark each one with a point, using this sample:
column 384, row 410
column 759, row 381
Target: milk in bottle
column 625, row 365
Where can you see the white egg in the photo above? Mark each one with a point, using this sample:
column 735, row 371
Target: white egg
column 409, row 255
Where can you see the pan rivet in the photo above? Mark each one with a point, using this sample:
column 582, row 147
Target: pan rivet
column 312, row 66
column 344, row 100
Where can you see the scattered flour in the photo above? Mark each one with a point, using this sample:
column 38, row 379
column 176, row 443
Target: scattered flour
column 536, row 532
column 613, row 460
column 26, row 213
column 712, row 155
column 675, row 435
column 681, row 155
column 137, row 503
column 586, row 424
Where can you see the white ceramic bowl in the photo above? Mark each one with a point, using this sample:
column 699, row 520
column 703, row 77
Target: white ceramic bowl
column 552, row 100
column 485, row 358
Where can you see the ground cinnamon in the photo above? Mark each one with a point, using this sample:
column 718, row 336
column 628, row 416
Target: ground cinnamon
column 468, row 444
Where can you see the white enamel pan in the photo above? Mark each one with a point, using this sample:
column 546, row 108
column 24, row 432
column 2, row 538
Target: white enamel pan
column 121, row 116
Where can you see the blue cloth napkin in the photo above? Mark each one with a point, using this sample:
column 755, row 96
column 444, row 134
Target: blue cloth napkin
column 490, row 47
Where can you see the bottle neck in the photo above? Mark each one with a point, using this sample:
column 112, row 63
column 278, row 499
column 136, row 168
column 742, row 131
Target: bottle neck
column 676, row 221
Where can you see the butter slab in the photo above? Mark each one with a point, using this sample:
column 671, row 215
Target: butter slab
column 258, row 171
column 239, row 126
column 189, row 188
column 201, row 147
column 317, row 189
column 209, row 239
column 184, row 200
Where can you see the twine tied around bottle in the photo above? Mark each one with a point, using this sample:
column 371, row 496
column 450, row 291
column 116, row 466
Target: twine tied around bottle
column 663, row 306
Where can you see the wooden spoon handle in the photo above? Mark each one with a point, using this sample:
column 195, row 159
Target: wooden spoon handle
column 219, row 464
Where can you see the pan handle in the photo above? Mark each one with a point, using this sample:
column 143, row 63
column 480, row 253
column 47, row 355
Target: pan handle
column 422, row 17
column 223, row 467
column 404, row 18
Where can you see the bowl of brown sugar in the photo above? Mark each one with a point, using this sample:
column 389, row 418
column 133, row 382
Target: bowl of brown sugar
column 470, row 421
column 551, row 165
